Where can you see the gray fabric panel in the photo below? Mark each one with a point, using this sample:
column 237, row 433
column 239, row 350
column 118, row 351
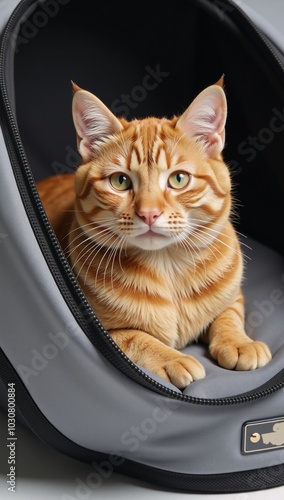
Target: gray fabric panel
column 7, row 7
column 96, row 406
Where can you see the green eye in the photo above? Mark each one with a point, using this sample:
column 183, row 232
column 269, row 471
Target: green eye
column 179, row 180
column 120, row 181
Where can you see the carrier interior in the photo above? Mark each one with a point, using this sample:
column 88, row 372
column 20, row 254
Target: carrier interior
column 111, row 52
column 153, row 60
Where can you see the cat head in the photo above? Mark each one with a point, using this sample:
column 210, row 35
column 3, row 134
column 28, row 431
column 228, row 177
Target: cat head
column 155, row 182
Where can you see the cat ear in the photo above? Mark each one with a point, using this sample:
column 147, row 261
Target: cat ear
column 205, row 119
column 220, row 82
column 93, row 121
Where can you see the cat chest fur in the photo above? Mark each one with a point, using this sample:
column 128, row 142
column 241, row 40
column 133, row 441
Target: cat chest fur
column 163, row 295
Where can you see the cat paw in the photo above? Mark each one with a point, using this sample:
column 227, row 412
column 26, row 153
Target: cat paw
column 246, row 356
column 181, row 371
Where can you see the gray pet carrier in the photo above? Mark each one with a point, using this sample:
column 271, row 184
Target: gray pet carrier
column 72, row 385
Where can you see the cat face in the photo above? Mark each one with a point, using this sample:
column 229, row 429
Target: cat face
column 152, row 183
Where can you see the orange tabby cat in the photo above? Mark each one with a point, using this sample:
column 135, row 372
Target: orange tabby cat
column 146, row 228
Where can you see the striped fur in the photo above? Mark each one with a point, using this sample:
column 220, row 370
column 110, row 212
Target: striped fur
column 159, row 261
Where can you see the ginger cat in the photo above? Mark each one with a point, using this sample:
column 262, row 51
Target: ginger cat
column 145, row 224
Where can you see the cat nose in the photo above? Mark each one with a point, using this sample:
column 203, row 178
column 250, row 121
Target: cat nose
column 149, row 216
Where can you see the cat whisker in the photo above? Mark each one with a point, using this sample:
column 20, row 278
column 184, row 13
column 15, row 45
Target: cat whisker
column 120, row 252
column 88, row 243
column 92, row 255
column 211, row 247
column 102, row 239
column 112, row 257
column 83, row 233
column 235, row 250
column 76, row 229
column 86, row 238
column 187, row 246
column 92, row 225
column 221, row 227
column 113, row 251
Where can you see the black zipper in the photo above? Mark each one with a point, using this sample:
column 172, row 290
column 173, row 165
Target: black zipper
column 264, row 39
column 59, row 266
column 219, row 8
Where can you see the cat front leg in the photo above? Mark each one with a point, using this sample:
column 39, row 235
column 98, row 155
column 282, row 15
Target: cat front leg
column 147, row 351
column 229, row 344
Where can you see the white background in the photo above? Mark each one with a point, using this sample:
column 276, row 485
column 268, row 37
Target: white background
column 43, row 473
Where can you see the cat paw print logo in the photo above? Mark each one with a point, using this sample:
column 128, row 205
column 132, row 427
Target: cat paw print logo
column 276, row 437
column 263, row 435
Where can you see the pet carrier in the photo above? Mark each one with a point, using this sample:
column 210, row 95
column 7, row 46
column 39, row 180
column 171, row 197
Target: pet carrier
column 71, row 384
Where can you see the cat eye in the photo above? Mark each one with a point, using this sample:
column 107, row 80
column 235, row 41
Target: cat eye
column 179, row 180
column 120, row 181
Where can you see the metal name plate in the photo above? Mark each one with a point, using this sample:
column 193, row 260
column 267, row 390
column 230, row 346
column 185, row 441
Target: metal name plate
column 263, row 435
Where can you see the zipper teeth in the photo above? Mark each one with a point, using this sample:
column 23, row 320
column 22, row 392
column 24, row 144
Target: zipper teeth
column 243, row 398
column 21, row 150
column 264, row 38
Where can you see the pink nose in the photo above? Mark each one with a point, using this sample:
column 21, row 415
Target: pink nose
column 149, row 216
